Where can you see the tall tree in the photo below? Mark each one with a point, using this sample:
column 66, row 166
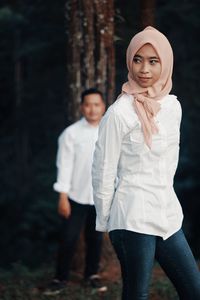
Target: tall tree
column 91, row 55
column 147, row 13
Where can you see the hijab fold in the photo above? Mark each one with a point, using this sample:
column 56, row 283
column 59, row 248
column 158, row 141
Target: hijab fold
column 146, row 99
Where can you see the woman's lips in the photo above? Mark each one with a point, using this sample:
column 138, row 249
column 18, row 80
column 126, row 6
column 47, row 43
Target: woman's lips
column 144, row 78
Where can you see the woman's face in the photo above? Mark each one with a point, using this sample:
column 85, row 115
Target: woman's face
column 146, row 66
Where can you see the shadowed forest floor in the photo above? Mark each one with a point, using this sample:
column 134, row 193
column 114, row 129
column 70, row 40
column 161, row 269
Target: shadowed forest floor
column 23, row 284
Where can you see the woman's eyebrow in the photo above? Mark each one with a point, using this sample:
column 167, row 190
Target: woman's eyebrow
column 151, row 57
column 154, row 57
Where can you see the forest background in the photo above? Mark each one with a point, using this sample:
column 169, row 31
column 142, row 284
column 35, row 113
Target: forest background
column 38, row 100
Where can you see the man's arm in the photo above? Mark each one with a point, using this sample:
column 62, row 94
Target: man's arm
column 65, row 158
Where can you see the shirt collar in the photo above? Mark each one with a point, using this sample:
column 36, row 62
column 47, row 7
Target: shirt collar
column 86, row 123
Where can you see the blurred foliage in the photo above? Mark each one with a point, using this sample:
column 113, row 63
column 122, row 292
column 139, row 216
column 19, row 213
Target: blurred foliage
column 33, row 38
column 181, row 23
column 33, row 113
column 23, row 284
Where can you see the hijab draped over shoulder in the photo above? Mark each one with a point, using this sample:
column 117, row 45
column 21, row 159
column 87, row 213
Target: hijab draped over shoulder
column 146, row 99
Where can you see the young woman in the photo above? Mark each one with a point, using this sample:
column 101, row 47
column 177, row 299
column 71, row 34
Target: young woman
column 135, row 160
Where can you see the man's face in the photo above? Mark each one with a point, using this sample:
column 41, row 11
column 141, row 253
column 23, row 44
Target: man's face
column 93, row 108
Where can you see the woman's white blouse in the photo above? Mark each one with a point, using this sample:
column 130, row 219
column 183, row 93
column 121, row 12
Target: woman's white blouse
column 132, row 184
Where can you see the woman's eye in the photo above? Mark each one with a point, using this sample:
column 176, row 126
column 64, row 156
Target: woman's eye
column 154, row 61
column 137, row 60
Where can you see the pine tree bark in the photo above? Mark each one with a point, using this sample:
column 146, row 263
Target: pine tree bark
column 91, row 53
column 91, row 63
column 111, row 52
column 74, row 61
column 89, row 44
column 147, row 13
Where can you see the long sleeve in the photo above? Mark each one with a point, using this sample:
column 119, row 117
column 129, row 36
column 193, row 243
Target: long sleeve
column 179, row 118
column 64, row 162
column 179, row 112
column 104, row 169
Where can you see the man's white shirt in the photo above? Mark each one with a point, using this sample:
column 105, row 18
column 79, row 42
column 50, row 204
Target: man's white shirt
column 74, row 161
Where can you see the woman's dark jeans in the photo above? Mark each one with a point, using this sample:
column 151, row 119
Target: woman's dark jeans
column 136, row 253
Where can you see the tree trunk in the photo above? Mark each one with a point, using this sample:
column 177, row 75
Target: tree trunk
column 74, row 61
column 91, row 54
column 111, row 52
column 89, row 44
column 91, row 63
column 147, row 13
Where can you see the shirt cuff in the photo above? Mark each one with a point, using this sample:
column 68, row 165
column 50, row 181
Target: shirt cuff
column 101, row 227
column 60, row 188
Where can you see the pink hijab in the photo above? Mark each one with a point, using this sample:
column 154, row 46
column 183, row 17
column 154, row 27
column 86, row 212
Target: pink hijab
column 145, row 99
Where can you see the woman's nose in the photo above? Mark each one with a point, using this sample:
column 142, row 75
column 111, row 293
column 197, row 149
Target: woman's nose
column 144, row 68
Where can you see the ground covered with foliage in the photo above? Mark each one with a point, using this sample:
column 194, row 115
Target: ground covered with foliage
column 20, row 283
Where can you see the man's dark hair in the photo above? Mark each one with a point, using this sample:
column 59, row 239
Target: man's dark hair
column 89, row 92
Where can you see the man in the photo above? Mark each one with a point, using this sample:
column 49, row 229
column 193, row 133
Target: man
column 74, row 185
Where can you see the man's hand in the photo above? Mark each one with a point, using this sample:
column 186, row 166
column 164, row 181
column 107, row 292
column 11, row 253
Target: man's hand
column 64, row 207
